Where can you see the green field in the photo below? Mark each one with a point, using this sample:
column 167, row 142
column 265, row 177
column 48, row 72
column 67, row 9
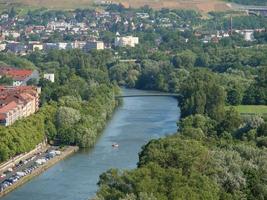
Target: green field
column 251, row 109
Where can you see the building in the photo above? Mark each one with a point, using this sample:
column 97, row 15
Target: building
column 16, row 47
column 248, row 35
column 17, row 102
column 62, row 45
column 50, row 77
column 2, row 47
column 77, row 45
column 91, row 45
column 58, row 25
column 126, row 41
column 35, row 46
column 19, row 76
column 50, row 46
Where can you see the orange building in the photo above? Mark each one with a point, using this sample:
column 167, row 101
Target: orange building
column 17, row 102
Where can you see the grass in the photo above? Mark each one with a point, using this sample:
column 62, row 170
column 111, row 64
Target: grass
column 251, row 109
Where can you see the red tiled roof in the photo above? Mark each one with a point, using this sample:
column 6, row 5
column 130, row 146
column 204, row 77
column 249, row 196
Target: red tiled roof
column 19, row 95
column 16, row 74
column 8, row 107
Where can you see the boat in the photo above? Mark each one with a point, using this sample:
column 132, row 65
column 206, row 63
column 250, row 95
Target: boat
column 115, row 145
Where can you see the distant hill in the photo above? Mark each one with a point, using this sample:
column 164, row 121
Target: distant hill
column 201, row 5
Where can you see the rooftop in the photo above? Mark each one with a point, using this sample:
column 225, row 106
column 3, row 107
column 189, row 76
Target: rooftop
column 16, row 74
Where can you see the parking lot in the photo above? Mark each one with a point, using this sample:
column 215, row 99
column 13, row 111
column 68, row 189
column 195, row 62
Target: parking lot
column 26, row 167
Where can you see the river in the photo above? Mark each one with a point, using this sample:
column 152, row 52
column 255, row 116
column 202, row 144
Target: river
column 134, row 123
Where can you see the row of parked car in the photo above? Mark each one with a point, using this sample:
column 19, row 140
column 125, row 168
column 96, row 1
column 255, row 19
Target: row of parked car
column 13, row 179
column 28, row 170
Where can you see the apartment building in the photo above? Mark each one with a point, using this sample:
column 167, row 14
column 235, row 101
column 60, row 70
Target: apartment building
column 126, row 41
column 91, row 45
column 17, row 102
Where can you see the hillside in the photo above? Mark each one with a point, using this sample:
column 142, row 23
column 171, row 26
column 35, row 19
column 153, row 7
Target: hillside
column 201, row 5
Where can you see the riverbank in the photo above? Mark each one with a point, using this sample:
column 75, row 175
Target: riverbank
column 135, row 122
column 64, row 154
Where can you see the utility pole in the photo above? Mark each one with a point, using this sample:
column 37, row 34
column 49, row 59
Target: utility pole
column 231, row 25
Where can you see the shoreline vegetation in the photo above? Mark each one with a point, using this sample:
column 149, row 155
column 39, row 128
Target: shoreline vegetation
column 74, row 109
column 68, row 151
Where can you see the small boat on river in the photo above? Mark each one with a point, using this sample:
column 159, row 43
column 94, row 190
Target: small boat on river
column 115, row 145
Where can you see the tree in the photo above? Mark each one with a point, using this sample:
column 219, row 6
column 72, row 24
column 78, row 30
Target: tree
column 32, row 81
column 200, row 94
column 186, row 59
column 67, row 117
column 234, row 96
column 204, row 123
column 231, row 121
column 262, row 130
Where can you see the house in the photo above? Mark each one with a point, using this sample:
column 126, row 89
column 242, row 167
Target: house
column 49, row 46
column 126, row 41
column 16, row 47
column 35, row 46
column 17, row 102
column 19, row 76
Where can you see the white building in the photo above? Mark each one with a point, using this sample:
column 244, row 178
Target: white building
column 62, row 45
column 248, row 35
column 126, row 41
column 59, row 25
column 77, row 45
column 2, row 47
column 50, row 77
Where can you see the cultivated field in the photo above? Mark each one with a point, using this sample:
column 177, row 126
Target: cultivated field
column 200, row 5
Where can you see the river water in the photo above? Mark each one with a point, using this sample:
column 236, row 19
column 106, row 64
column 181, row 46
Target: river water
column 135, row 122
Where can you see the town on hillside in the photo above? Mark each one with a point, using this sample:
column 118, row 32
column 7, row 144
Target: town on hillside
column 97, row 30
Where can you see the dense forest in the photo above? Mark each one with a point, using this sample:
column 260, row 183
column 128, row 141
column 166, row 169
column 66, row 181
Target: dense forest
column 216, row 153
